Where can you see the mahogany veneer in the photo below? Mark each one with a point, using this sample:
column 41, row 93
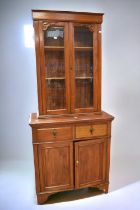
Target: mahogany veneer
column 71, row 134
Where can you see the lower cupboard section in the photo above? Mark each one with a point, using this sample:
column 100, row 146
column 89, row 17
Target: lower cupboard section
column 61, row 166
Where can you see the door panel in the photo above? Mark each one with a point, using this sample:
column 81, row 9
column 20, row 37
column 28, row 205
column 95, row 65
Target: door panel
column 55, row 67
column 69, row 67
column 56, row 166
column 90, row 160
column 83, row 46
column 83, row 58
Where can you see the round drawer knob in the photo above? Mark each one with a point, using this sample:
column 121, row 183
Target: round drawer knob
column 77, row 162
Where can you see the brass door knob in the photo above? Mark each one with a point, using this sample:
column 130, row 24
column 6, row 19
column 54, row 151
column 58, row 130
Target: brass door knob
column 77, row 162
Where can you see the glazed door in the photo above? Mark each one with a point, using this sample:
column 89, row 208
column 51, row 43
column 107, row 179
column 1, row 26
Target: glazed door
column 56, row 166
column 54, row 68
column 90, row 162
column 69, row 67
column 84, row 65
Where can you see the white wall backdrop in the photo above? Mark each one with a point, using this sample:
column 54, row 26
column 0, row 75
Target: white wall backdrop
column 121, row 73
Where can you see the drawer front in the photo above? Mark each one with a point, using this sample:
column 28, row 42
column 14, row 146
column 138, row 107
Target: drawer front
column 88, row 131
column 61, row 133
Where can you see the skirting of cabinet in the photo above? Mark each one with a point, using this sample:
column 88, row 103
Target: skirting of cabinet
column 43, row 197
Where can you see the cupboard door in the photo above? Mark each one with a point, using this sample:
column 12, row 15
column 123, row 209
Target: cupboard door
column 90, row 161
column 54, row 67
column 56, row 166
column 85, row 74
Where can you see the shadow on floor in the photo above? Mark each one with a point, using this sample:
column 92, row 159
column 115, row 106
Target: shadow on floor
column 73, row 195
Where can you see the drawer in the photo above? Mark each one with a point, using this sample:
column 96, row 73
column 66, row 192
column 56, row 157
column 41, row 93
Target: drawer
column 61, row 133
column 88, row 131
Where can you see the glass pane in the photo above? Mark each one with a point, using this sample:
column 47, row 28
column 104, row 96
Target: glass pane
column 56, row 94
column 83, row 37
column 83, row 45
column 83, row 64
column 55, row 68
column 54, row 64
column 54, row 36
column 84, row 93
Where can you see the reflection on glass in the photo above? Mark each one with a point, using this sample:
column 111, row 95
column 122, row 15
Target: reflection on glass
column 54, row 36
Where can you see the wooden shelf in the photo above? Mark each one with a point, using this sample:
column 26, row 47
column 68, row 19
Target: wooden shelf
column 54, row 48
column 83, row 77
column 83, row 48
column 55, row 78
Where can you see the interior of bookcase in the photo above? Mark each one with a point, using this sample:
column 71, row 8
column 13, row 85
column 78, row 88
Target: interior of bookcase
column 83, row 51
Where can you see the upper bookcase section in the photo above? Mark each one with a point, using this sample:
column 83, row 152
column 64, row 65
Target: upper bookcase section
column 68, row 61
column 67, row 16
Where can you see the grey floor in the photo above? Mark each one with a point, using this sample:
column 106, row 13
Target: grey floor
column 17, row 190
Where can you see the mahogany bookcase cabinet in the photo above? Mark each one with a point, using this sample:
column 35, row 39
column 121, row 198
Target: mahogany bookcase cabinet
column 71, row 134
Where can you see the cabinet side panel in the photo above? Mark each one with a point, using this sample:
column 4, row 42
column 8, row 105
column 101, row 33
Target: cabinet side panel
column 107, row 160
column 108, row 151
column 38, row 62
column 36, row 165
column 42, row 68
